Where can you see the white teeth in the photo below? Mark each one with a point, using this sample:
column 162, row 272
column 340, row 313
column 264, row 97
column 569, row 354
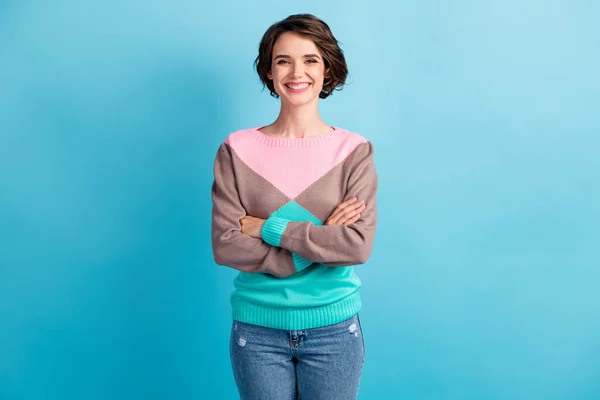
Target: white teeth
column 297, row 86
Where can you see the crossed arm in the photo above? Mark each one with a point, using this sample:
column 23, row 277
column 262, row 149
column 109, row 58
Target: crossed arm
column 345, row 214
column 282, row 247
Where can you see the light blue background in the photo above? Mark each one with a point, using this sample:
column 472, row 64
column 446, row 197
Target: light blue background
column 485, row 277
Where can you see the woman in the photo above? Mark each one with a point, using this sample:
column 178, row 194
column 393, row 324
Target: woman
column 294, row 210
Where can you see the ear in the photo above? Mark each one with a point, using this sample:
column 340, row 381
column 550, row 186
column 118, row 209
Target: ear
column 270, row 75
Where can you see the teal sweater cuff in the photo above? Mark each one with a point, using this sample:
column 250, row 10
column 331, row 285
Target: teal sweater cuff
column 272, row 230
column 300, row 263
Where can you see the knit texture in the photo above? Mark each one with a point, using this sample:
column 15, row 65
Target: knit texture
column 301, row 274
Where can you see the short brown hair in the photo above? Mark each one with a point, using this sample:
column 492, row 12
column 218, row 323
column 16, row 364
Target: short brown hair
column 317, row 30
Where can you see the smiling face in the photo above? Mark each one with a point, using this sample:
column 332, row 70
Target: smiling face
column 297, row 69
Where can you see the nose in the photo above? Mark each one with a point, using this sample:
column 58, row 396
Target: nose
column 298, row 70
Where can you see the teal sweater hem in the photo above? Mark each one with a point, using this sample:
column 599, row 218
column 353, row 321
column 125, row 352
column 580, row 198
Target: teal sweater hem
column 296, row 318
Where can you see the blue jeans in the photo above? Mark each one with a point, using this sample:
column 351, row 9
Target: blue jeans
column 322, row 363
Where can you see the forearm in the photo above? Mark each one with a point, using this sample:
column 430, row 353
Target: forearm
column 334, row 245
column 242, row 252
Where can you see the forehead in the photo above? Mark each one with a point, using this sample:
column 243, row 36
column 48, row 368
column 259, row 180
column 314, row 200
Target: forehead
column 292, row 44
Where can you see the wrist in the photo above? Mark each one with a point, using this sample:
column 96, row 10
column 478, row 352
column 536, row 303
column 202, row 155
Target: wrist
column 273, row 229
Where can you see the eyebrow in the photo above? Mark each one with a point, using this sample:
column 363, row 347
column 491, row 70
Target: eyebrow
column 305, row 56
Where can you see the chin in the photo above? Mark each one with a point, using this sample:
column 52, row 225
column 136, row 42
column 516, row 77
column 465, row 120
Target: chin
column 298, row 101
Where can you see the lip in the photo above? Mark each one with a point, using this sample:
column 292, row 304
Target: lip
column 289, row 89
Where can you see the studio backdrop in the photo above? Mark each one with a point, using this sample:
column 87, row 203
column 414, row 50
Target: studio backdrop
column 485, row 273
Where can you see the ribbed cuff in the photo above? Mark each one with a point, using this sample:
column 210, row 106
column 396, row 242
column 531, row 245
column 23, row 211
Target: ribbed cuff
column 272, row 230
column 300, row 263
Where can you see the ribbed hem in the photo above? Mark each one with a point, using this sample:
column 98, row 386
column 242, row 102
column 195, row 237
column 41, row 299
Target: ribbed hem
column 272, row 230
column 300, row 263
column 275, row 141
column 296, row 318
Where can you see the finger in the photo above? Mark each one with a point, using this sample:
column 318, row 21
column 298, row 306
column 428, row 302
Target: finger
column 345, row 204
column 352, row 220
column 351, row 213
column 342, row 208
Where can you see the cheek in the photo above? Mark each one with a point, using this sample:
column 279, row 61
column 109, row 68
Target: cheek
column 276, row 77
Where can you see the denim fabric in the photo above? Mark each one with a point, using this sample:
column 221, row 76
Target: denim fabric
column 322, row 363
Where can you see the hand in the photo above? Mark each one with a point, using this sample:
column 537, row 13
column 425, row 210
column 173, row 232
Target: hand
column 252, row 226
column 346, row 213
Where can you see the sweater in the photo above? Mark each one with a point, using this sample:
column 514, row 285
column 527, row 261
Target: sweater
column 300, row 275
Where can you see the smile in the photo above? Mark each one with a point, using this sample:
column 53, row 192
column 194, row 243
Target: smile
column 297, row 88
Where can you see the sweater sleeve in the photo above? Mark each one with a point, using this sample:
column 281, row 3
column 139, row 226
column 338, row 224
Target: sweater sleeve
column 230, row 246
column 334, row 245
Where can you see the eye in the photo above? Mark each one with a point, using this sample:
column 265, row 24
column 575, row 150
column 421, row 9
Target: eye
column 287, row 62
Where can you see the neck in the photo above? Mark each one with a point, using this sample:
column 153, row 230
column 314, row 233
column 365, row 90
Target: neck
column 299, row 121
